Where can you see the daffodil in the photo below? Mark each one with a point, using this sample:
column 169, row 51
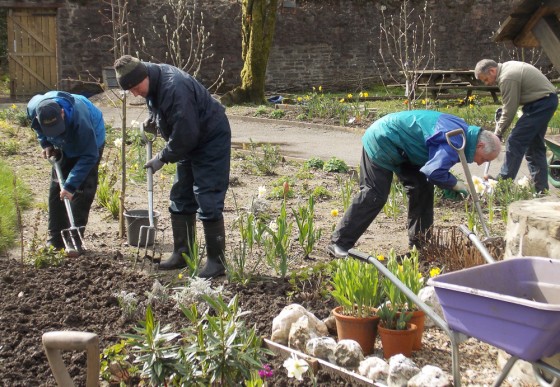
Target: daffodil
column 296, row 367
column 434, row 271
column 366, row 94
column 180, row 276
column 334, row 213
column 14, row 107
column 320, row 88
column 349, row 96
column 380, row 257
column 341, row 100
column 424, row 102
column 262, row 191
column 299, row 99
column 118, row 142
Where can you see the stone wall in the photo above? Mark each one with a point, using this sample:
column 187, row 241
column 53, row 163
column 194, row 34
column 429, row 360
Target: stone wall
column 332, row 43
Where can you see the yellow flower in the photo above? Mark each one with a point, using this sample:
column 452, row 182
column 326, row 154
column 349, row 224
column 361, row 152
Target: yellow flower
column 313, row 88
column 366, row 94
column 380, row 257
column 299, row 99
column 401, row 268
column 321, row 88
column 423, row 102
column 180, row 276
column 434, row 271
column 349, row 96
column 361, row 94
column 471, row 106
column 334, row 212
column 471, row 98
column 341, row 100
column 14, row 106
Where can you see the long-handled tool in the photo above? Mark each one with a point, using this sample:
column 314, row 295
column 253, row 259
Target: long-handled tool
column 148, row 233
column 468, row 177
column 72, row 237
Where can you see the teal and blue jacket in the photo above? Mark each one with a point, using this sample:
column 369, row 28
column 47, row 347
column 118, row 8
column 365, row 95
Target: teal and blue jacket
column 417, row 137
column 84, row 135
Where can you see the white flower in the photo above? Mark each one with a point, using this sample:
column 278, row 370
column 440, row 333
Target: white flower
column 118, row 142
column 273, row 226
column 296, row 367
column 478, row 183
column 491, row 184
column 524, row 182
column 262, row 192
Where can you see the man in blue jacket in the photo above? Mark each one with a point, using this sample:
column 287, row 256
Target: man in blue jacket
column 70, row 127
column 412, row 145
column 198, row 138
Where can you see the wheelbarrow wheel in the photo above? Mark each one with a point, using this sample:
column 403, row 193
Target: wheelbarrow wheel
column 554, row 173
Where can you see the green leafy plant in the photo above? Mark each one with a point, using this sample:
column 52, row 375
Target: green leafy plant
column 277, row 114
column 308, row 236
column 321, row 192
column 314, row 163
column 266, row 162
column 355, row 287
column 277, row 242
column 155, row 349
column 391, row 318
column 392, row 207
column 335, row 164
column 219, row 347
column 346, row 190
column 261, row 111
column 41, row 257
column 116, row 365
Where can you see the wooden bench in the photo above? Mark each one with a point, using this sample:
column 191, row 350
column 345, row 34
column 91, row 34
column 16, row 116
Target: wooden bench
column 442, row 88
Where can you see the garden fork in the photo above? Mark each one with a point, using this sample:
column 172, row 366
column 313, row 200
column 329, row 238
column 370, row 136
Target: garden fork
column 73, row 245
column 148, row 232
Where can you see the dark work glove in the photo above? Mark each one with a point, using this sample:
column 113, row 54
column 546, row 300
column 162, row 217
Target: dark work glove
column 155, row 164
column 150, row 126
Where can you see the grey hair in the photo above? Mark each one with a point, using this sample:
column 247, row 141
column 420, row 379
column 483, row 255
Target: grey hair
column 483, row 66
column 491, row 144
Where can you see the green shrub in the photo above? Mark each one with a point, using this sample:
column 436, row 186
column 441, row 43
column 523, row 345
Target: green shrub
column 335, row 164
column 314, row 163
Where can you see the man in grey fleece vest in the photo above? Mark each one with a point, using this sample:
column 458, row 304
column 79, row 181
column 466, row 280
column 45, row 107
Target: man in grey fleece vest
column 522, row 84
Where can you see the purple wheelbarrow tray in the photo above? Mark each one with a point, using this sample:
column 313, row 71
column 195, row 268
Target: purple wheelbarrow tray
column 513, row 305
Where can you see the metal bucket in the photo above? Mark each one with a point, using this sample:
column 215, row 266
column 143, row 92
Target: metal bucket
column 136, row 219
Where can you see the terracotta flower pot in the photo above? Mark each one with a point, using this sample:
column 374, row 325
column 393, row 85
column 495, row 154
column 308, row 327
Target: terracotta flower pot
column 360, row 329
column 397, row 341
column 418, row 318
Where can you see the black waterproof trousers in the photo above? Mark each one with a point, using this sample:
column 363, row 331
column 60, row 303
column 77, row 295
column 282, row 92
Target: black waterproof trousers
column 375, row 186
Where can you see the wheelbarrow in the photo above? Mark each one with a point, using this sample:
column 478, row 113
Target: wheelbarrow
column 553, row 144
column 513, row 305
column 72, row 237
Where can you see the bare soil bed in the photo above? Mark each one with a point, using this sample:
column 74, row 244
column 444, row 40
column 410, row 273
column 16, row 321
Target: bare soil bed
column 80, row 294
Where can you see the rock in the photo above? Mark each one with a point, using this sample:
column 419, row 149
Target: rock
column 428, row 295
column 431, row 376
column 322, row 347
column 401, row 369
column 281, row 324
column 348, row 353
column 300, row 334
column 374, row 368
column 330, row 323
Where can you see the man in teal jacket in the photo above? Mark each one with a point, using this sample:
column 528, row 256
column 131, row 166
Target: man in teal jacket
column 69, row 126
column 412, row 145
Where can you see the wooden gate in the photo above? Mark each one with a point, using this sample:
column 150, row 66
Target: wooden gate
column 32, row 51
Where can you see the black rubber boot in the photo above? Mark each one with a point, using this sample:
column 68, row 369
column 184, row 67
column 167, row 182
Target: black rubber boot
column 184, row 233
column 215, row 236
column 55, row 240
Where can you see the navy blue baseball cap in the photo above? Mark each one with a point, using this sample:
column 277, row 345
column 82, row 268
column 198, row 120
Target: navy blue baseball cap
column 49, row 115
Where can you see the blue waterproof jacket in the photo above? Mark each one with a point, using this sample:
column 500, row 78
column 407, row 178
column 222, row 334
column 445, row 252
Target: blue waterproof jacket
column 84, row 135
column 186, row 114
column 417, row 137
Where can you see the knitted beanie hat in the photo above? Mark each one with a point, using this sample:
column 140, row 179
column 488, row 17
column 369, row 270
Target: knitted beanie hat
column 130, row 71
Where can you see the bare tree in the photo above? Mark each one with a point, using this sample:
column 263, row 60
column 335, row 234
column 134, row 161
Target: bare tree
column 406, row 43
column 184, row 37
column 257, row 30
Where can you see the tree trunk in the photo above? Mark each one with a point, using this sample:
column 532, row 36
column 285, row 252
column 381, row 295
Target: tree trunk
column 257, row 31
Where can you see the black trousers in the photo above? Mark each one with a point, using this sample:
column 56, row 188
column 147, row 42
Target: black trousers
column 375, row 186
column 81, row 202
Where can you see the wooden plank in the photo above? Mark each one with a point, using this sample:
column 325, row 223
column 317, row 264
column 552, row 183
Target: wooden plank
column 525, row 38
column 316, row 364
column 547, row 31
